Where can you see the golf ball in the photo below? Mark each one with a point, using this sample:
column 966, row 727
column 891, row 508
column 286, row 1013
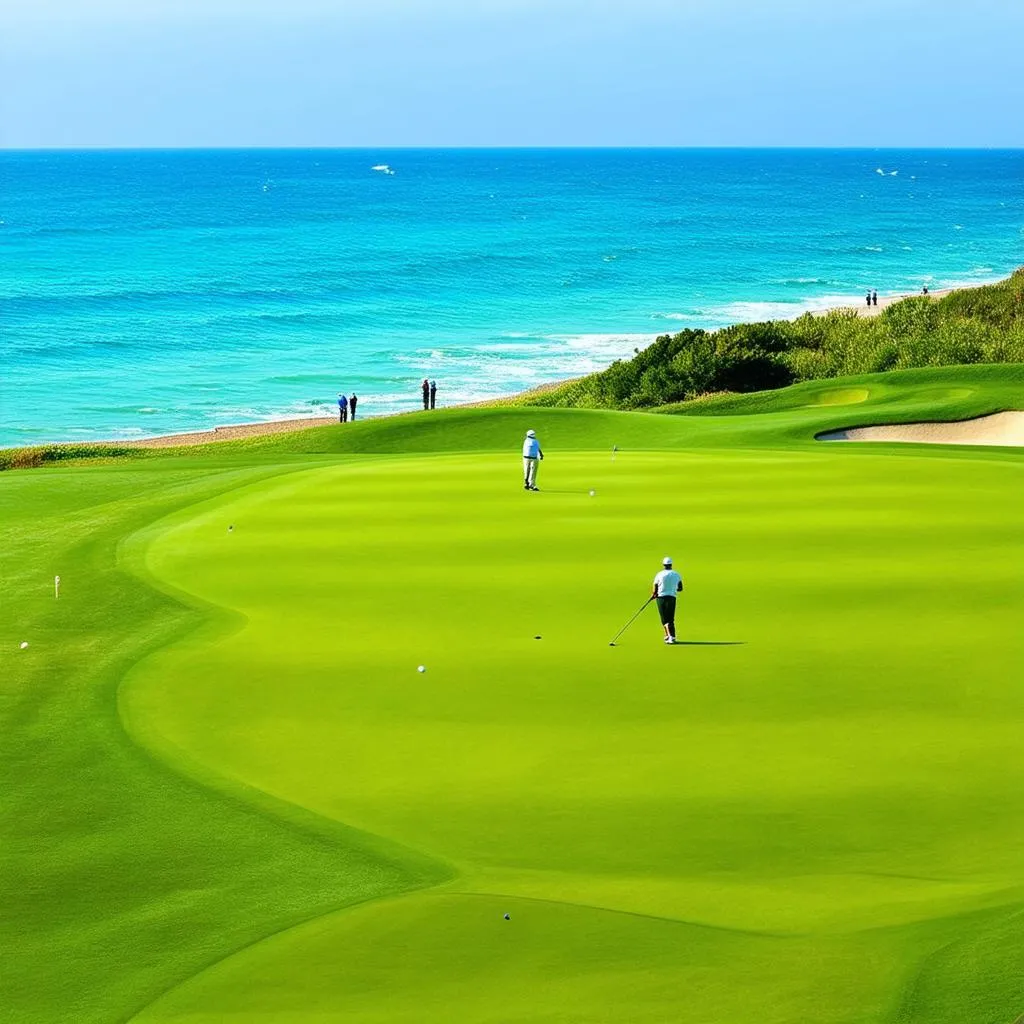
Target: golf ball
column 592, row 493
column 422, row 668
column 24, row 644
column 508, row 917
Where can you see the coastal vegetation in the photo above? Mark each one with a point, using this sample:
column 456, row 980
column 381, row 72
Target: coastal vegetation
column 974, row 325
column 33, row 456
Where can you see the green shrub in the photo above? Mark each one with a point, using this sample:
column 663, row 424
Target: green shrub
column 969, row 326
column 41, row 455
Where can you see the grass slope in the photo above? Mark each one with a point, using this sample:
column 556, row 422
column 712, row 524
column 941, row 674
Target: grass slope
column 792, row 416
column 968, row 326
column 812, row 814
column 117, row 877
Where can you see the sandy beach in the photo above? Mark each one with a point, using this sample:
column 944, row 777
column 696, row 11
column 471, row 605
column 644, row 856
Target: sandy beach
column 229, row 433
column 241, row 430
column 887, row 300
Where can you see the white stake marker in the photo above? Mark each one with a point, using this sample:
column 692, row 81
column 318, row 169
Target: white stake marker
column 56, row 587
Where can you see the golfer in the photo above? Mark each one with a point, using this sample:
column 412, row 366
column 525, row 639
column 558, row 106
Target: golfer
column 342, row 408
column 667, row 584
column 531, row 455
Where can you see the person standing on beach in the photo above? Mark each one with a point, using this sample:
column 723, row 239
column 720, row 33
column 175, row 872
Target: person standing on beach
column 433, row 393
column 352, row 406
column 425, row 388
column 531, row 455
column 342, row 407
column 869, row 298
column 667, row 584
column 874, row 298
column 924, row 291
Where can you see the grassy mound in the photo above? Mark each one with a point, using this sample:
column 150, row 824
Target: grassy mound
column 229, row 791
column 974, row 325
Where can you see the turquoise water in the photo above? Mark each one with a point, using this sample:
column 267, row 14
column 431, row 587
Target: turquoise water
column 150, row 292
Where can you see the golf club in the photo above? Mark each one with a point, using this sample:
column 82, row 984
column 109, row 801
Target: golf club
column 631, row 621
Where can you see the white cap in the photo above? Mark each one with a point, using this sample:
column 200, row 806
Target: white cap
column 530, row 433
column 666, row 560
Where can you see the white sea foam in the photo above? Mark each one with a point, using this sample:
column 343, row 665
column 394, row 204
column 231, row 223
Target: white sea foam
column 523, row 347
column 590, row 341
column 753, row 312
column 491, row 369
column 758, row 312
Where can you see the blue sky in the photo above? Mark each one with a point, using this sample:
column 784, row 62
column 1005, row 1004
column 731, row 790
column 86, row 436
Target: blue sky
column 511, row 72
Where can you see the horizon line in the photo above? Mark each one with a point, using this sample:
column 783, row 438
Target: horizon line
column 504, row 147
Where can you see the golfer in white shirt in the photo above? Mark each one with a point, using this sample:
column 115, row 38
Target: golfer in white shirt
column 667, row 584
column 531, row 456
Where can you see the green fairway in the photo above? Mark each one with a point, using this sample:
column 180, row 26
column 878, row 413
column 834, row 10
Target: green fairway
column 237, row 798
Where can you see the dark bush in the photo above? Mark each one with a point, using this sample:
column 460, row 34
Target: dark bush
column 975, row 325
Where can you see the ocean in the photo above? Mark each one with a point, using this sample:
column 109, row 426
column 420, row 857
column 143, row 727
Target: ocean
column 150, row 292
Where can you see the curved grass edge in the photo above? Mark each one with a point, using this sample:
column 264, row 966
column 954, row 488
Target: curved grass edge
column 219, row 622
column 136, row 875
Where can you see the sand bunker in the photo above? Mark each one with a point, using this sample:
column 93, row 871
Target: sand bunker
column 1001, row 428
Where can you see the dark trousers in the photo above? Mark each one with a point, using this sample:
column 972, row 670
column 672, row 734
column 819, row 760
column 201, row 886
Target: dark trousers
column 426, row 399
column 433, row 398
column 667, row 611
column 342, row 415
column 352, row 411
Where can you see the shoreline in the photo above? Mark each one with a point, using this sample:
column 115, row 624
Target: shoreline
column 238, row 431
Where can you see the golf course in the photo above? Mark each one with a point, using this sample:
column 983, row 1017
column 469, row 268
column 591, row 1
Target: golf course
column 230, row 794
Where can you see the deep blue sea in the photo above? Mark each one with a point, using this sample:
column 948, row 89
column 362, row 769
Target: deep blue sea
column 158, row 291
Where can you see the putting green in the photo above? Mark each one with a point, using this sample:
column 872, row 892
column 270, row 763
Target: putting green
column 810, row 810
column 831, row 751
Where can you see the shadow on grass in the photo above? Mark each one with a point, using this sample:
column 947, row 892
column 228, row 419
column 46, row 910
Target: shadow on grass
column 551, row 490
column 709, row 643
